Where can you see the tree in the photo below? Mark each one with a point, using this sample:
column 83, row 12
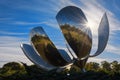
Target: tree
column 92, row 66
column 106, row 66
column 115, row 66
column 13, row 66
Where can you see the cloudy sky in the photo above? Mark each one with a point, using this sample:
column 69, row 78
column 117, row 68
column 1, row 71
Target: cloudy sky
column 18, row 17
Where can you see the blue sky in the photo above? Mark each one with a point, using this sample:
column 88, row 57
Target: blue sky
column 18, row 17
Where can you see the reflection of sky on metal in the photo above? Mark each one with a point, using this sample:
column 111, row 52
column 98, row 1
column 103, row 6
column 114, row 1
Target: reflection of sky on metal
column 72, row 15
column 45, row 48
column 56, row 36
column 35, row 58
column 74, row 18
column 103, row 34
column 37, row 31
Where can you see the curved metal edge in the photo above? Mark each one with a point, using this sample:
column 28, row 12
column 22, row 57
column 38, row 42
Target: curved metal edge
column 35, row 58
column 103, row 35
column 67, row 57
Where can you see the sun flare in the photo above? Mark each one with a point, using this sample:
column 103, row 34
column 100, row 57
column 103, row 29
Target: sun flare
column 92, row 25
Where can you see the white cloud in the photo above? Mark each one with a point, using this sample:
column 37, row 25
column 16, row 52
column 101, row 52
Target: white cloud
column 96, row 59
column 10, row 50
column 99, row 60
column 113, row 49
column 11, row 33
column 27, row 23
column 94, row 12
column 12, row 57
column 10, row 41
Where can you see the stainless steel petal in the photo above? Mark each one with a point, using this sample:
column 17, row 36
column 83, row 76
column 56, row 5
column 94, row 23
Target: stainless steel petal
column 73, row 24
column 103, row 35
column 35, row 58
column 46, row 49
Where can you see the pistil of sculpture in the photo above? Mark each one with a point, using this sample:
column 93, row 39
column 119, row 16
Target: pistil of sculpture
column 78, row 39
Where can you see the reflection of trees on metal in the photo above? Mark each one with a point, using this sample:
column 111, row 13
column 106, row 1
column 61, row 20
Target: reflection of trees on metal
column 78, row 39
column 47, row 50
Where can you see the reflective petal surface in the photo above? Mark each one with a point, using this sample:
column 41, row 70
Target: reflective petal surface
column 45, row 48
column 103, row 35
column 35, row 58
column 73, row 24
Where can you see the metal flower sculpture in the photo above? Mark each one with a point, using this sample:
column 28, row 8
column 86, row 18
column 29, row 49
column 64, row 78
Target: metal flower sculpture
column 78, row 40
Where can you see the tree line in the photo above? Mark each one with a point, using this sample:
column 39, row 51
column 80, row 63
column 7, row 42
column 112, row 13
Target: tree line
column 21, row 71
